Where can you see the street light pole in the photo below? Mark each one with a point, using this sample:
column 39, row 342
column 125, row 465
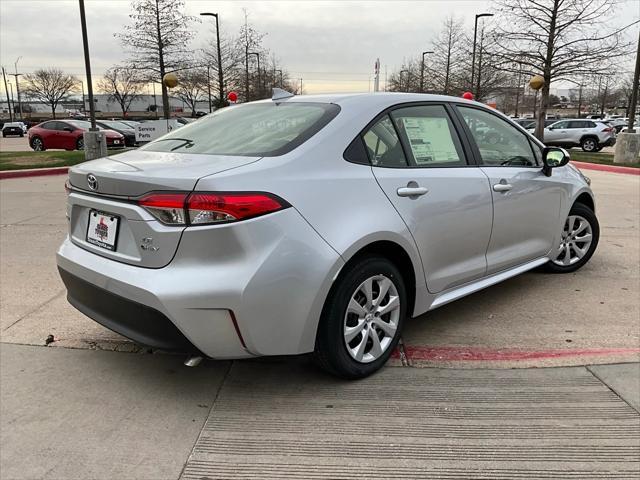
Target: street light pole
column 475, row 35
column 401, row 72
column 209, row 86
column 258, row 57
column 6, row 91
column 87, row 65
column 274, row 76
column 18, row 87
column 220, row 73
column 634, row 91
column 301, row 86
column 422, row 71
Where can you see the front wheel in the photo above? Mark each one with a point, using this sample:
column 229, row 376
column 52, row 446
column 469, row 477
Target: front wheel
column 80, row 144
column 362, row 319
column 579, row 240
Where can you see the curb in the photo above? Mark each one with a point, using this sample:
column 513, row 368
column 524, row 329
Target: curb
column 35, row 172
column 606, row 168
column 475, row 354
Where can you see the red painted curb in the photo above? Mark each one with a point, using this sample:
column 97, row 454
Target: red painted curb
column 489, row 354
column 36, row 172
column 606, row 168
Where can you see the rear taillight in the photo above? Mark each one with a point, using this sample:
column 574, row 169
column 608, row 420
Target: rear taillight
column 67, row 186
column 209, row 208
column 609, row 129
column 169, row 208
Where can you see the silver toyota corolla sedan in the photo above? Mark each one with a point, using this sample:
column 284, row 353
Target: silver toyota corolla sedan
column 317, row 224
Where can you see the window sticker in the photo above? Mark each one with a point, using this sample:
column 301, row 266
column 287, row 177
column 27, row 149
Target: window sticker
column 430, row 140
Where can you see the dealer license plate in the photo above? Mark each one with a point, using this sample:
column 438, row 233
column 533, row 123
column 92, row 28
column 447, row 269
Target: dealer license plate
column 103, row 229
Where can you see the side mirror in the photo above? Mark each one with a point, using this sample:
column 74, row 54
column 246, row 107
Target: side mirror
column 554, row 157
column 68, row 129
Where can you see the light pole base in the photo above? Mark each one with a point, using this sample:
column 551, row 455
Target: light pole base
column 627, row 148
column 95, row 145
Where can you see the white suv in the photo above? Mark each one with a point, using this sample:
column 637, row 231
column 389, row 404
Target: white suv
column 591, row 135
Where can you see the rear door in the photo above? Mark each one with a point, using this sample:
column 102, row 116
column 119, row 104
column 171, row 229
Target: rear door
column 421, row 165
column 526, row 203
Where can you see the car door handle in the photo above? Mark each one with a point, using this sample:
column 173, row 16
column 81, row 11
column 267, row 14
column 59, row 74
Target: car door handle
column 502, row 187
column 411, row 191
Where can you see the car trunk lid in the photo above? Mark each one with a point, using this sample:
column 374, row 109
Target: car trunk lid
column 135, row 173
column 138, row 238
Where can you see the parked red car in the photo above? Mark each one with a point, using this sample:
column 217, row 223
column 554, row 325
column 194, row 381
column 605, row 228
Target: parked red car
column 67, row 135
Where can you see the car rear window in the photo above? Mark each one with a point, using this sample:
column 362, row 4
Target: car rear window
column 263, row 129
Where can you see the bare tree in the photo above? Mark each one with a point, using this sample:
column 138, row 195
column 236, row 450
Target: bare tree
column 158, row 40
column 250, row 40
column 50, row 86
column 446, row 62
column 123, row 85
column 559, row 39
column 232, row 57
column 192, row 88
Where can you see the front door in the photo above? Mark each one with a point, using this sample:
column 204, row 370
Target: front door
column 420, row 164
column 557, row 133
column 526, row 203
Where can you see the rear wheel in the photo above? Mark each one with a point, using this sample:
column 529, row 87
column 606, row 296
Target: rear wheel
column 589, row 144
column 80, row 144
column 579, row 240
column 362, row 319
column 37, row 144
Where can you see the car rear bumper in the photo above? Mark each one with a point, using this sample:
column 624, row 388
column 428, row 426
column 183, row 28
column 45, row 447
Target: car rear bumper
column 610, row 142
column 133, row 320
column 232, row 291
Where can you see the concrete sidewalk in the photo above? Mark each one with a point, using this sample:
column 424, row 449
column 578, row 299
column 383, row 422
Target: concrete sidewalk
column 78, row 414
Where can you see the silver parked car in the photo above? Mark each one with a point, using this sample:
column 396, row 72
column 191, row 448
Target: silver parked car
column 590, row 135
column 317, row 224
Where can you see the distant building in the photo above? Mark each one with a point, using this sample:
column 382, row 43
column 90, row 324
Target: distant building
column 144, row 105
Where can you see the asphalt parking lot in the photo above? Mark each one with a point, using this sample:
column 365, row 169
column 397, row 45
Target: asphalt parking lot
column 83, row 408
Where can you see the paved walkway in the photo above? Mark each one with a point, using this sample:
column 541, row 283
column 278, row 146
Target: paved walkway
column 78, row 414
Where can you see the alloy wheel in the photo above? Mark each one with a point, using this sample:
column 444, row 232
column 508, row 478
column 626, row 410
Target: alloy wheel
column 371, row 320
column 576, row 240
column 36, row 144
column 80, row 144
column 589, row 145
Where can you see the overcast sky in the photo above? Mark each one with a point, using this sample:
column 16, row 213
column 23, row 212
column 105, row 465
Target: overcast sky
column 331, row 45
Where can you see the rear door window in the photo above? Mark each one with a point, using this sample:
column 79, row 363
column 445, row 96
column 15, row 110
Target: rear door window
column 430, row 135
column 256, row 130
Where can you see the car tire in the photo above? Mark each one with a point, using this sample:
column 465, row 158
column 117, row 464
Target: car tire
column 579, row 252
column 589, row 144
column 345, row 344
column 37, row 144
column 80, row 143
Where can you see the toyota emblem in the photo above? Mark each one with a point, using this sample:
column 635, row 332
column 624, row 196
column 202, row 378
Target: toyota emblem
column 92, row 181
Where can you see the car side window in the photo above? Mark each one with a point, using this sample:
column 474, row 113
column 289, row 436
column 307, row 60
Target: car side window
column 49, row 125
column 383, row 145
column 430, row 136
column 500, row 143
column 561, row 125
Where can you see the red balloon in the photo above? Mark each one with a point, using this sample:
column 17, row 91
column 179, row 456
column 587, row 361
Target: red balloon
column 467, row 96
column 232, row 96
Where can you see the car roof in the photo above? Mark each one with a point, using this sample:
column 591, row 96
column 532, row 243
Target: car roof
column 385, row 99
